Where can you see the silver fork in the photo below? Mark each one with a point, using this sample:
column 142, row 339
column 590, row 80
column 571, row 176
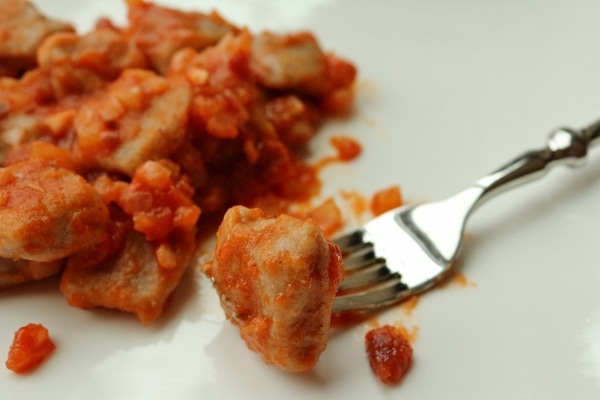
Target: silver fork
column 409, row 249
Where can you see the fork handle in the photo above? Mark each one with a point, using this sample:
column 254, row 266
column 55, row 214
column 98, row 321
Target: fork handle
column 565, row 145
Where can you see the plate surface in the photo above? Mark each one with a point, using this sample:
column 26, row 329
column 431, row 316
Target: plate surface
column 448, row 91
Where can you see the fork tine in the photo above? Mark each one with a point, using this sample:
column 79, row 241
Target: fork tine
column 360, row 259
column 369, row 276
column 385, row 263
column 392, row 291
column 351, row 241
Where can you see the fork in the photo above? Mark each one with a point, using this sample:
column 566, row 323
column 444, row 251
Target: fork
column 409, row 249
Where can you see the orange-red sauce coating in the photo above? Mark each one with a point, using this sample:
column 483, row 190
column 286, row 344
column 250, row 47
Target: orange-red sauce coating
column 276, row 278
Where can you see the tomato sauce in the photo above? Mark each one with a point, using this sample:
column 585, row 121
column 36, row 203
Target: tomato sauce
column 389, row 352
column 385, row 200
column 347, row 149
column 30, row 347
column 357, row 202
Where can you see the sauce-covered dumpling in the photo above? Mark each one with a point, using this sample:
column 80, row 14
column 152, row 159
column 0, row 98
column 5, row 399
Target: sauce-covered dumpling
column 277, row 277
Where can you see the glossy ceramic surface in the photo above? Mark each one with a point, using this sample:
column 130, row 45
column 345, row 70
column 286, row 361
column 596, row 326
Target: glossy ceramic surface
column 447, row 91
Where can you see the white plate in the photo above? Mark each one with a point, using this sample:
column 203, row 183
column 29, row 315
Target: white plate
column 448, row 91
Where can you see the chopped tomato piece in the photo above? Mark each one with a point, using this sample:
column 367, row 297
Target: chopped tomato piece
column 328, row 216
column 158, row 199
column 386, row 199
column 389, row 353
column 31, row 346
column 348, row 148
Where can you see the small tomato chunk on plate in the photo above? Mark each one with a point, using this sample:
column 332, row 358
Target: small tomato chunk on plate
column 30, row 347
column 389, row 352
